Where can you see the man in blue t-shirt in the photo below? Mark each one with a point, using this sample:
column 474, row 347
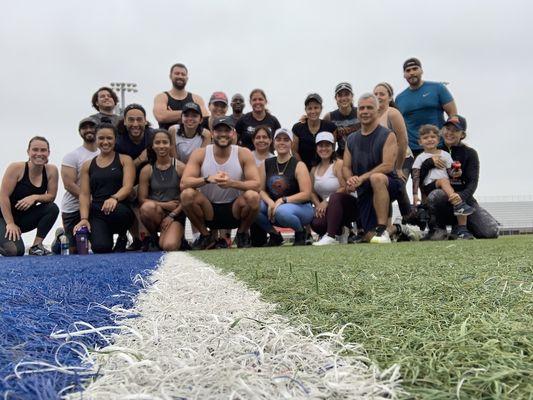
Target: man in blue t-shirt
column 423, row 102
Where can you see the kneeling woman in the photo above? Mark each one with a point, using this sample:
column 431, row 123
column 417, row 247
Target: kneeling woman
column 106, row 182
column 27, row 200
column 285, row 192
column 159, row 194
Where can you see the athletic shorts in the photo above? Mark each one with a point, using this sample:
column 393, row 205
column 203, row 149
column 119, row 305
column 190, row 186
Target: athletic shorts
column 69, row 222
column 367, row 214
column 179, row 218
column 223, row 217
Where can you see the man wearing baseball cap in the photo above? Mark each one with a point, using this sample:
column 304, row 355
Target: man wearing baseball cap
column 423, row 102
column 345, row 116
column 218, row 106
column 220, row 187
column 70, row 175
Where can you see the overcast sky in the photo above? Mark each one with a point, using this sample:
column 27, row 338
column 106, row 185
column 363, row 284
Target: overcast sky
column 55, row 54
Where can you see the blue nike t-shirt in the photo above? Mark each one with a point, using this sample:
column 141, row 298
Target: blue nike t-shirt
column 423, row 106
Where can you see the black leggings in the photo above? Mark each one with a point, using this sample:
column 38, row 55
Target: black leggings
column 42, row 216
column 104, row 226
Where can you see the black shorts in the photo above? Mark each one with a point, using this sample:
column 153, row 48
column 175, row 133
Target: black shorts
column 427, row 189
column 223, row 217
column 178, row 218
column 69, row 222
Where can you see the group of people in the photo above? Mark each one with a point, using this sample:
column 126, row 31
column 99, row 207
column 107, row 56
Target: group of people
column 335, row 175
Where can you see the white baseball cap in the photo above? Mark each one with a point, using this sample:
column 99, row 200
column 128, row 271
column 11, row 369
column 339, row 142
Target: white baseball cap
column 284, row 131
column 325, row 136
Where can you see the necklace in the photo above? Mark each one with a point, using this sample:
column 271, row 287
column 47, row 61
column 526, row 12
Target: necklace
column 284, row 168
column 161, row 173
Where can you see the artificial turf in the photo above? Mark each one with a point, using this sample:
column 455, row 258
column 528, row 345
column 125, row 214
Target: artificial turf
column 457, row 316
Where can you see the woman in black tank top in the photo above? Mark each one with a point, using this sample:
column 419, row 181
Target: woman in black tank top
column 27, row 200
column 106, row 182
column 159, row 194
column 285, row 192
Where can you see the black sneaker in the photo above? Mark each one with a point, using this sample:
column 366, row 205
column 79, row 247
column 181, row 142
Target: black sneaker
column 242, row 239
column 275, row 239
column 436, row 234
column 308, row 239
column 204, row 242
column 185, row 245
column 135, row 245
column 221, row 243
column 300, row 238
column 39, row 250
column 356, row 237
column 461, row 232
column 120, row 244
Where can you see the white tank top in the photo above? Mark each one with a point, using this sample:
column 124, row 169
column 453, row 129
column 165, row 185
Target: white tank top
column 232, row 167
column 185, row 146
column 326, row 184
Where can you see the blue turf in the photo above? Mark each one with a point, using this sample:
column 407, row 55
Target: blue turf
column 40, row 295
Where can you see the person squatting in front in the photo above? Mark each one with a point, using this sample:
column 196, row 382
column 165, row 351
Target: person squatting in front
column 285, row 192
column 220, row 187
column 159, row 195
column 106, row 183
column 27, row 197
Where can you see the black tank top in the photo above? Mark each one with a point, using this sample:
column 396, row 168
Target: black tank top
column 164, row 184
column 105, row 182
column 281, row 178
column 25, row 188
column 349, row 122
column 176, row 105
column 367, row 151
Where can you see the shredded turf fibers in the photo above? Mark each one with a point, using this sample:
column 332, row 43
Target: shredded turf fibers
column 456, row 316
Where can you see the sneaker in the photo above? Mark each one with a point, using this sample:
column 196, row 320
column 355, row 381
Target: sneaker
column 39, row 250
column 343, row 237
column 153, row 244
column 275, row 239
column 204, row 242
column 299, row 238
column 243, row 240
column 356, row 237
column 137, row 244
column 381, row 239
column 325, row 240
column 411, row 232
column 185, row 245
column 56, row 244
column 308, row 239
column 221, row 243
column 436, row 234
column 461, row 232
column 463, row 209
column 120, row 244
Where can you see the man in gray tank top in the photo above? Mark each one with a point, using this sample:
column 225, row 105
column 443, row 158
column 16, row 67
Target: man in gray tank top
column 220, row 187
column 369, row 169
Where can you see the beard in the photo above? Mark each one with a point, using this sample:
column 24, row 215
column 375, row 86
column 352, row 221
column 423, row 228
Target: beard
column 179, row 85
column 216, row 141
column 89, row 138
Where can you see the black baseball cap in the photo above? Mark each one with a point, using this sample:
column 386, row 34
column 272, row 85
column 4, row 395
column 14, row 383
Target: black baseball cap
column 88, row 120
column 343, row 86
column 313, row 97
column 412, row 62
column 228, row 121
column 192, row 106
column 457, row 121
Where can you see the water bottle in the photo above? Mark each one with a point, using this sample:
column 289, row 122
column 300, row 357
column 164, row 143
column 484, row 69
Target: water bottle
column 63, row 240
column 82, row 240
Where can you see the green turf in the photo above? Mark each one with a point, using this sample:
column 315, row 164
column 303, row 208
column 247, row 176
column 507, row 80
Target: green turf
column 457, row 316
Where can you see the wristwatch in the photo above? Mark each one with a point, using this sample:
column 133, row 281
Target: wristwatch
column 206, row 179
column 172, row 215
column 284, row 199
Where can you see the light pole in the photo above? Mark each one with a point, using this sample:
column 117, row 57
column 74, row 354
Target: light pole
column 122, row 88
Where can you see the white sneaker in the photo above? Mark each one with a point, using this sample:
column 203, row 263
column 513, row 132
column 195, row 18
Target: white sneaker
column 383, row 239
column 325, row 240
column 412, row 232
column 343, row 238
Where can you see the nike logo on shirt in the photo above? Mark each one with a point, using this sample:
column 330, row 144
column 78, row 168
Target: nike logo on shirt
column 425, row 94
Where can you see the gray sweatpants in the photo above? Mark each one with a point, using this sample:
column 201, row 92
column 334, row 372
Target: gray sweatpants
column 481, row 224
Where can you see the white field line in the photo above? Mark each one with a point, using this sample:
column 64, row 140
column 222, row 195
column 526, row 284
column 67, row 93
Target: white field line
column 204, row 335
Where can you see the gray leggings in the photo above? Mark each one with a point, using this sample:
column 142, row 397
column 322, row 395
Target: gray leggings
column 480, row 223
